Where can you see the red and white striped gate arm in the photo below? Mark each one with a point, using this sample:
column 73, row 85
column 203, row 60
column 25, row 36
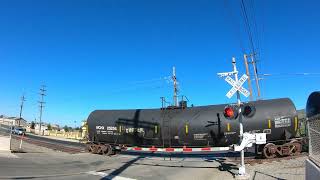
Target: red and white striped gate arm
column 174, row 150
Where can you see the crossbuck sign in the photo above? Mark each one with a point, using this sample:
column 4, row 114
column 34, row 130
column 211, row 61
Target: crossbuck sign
column 237, row 86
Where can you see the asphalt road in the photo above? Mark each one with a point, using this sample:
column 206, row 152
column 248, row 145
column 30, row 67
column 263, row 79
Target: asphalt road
column 88, row 166
column 127, row 166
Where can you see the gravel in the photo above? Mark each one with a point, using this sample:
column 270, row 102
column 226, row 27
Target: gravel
column 27, row 147
column 285, row 169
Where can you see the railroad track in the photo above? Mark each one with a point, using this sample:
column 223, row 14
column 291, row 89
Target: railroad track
column 51, row 145
column 253, row 160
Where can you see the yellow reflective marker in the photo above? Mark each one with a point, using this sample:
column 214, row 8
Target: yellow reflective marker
column 156, row 129
column 269, row 124
column 120, row 129
column 228, row 127
column 187, row 128
column 295, row 123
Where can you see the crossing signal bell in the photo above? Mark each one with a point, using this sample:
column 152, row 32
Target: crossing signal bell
column 230, row 112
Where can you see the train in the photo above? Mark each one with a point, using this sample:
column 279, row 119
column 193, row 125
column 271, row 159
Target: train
column 197, row 126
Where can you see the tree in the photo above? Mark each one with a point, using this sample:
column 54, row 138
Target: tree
column 49, row 127
column 66, row 129
column 32, row 125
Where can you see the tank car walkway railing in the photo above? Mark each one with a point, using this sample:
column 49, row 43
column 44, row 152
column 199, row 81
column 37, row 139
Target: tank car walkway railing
column 314, row 139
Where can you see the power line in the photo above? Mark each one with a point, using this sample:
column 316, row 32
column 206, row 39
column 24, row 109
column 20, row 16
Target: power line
column 247, row 25
column 290, row 74
column 237, row 30
column 252, row 44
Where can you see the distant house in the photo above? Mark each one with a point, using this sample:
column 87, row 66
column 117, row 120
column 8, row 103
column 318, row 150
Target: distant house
column 55, row 127
column 12, row 121
column 43, row 127
column 43, row 130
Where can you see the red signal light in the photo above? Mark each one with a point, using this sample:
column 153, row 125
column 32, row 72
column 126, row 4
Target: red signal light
column 230, row 112
column 248, row 110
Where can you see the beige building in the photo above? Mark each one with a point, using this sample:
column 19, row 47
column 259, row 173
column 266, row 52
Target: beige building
column 12, row 121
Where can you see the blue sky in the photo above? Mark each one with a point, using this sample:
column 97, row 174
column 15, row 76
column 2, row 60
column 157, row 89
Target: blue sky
column 116, row 54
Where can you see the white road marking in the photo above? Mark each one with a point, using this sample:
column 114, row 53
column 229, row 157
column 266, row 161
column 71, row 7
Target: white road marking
column 4, row 154
column 108, row 176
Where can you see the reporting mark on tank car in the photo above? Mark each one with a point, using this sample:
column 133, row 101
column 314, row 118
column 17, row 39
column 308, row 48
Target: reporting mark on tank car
column 282, row 122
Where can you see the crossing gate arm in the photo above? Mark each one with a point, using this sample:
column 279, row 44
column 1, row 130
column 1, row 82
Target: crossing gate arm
column 177, row 150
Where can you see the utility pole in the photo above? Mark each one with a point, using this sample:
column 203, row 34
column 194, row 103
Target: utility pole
column 21, row 107
column 41, row 102
column 175, row 87
column 162, row 102
column 255, row 74
column 35, row 125
column 248, row 74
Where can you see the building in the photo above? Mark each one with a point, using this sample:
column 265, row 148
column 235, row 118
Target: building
column 12, row 121
column 55, row 127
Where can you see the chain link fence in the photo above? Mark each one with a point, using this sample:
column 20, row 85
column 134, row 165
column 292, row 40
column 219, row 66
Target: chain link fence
column 314, row 139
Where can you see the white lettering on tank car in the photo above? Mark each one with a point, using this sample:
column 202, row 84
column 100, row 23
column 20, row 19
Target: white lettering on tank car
column 282, row 122
column 99, row 127
column 111, row 128
column 200, row 136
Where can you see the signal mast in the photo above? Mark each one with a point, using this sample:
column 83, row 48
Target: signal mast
column 175, row 87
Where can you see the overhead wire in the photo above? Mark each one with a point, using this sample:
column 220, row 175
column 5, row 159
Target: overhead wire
column 257, row 39
column 247, row 25
column 237, row 29
column 253, row 36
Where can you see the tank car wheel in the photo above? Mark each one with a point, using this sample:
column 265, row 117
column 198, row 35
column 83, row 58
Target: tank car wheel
column 269, row 151
column 94, row 149
column 89, row 148
column 100, row 149
column 295, row 148
column 108, row 150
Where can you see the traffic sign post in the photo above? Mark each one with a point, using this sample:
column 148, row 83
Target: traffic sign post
column 237, row 88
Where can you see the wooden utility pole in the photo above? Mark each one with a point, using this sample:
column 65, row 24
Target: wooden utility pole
column 248, row 74
column 41, row 102
column 21, row 107
column 255, row 74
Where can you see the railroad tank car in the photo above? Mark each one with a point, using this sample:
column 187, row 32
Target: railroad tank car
column 313, row 104
column 200, row 126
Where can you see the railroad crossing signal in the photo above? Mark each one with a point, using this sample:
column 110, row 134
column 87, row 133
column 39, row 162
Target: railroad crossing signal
column 237, row 86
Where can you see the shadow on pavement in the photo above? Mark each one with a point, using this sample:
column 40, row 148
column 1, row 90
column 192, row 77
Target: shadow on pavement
column 258, row 172
column 121, row 169
column 229, row 167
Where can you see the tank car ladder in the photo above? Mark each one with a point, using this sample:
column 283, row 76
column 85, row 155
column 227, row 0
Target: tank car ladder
column 166, row 130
